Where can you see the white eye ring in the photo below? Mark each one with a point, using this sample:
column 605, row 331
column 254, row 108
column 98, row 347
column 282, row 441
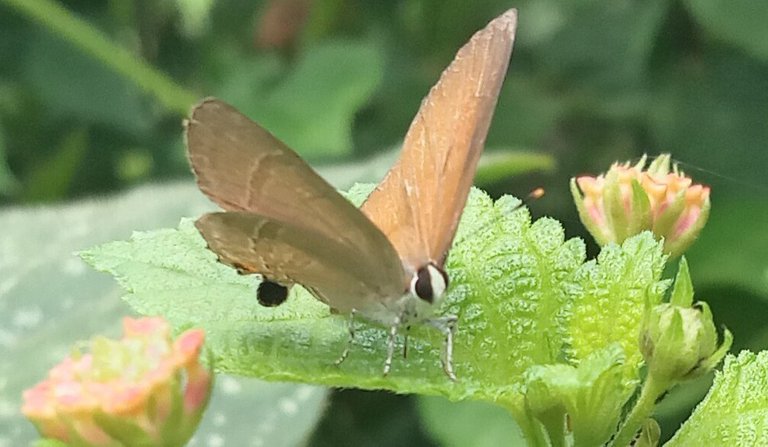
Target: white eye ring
column 429, row 283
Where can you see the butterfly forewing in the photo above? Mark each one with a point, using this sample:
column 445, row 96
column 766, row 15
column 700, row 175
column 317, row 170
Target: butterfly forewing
column 243, row 168
column 419, row 202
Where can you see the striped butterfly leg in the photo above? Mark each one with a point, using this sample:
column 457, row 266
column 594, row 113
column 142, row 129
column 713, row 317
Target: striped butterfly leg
column 391, row 345
column 350, row 340
column 447, row 326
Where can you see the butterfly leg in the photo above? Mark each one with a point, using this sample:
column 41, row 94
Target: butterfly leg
column 447, row 325
column 405, row 346
column 350, row 340
column 391, row 346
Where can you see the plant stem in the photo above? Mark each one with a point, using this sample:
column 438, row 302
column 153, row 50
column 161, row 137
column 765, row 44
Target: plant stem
column 531, row 428
column 643, row 408
column 84, row 36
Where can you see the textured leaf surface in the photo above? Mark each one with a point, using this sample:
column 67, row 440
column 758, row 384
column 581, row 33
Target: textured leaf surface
column 592, row 394
column 609, row 302
column 508, row 283
column 735, row 412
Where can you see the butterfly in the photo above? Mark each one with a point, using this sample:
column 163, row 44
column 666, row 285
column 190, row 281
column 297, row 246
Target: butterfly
column 384, row 261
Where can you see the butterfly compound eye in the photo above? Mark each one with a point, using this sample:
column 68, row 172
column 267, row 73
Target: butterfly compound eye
column 271, row 294
column 429, row 283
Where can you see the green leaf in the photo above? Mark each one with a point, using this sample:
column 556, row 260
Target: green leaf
column 608, row 305
column 592, row 395
column 738, row 22
column 479, row 424
column 99, row 96
column 619, row 36
column 52, row 178
column 649, row 434
column 500, row 164
column 682, row 292
column 195, row 15
column 731, row 223
column 311, row 109
column 733, row 413
column 508, row 286
column 715, row 100
column 8, row 183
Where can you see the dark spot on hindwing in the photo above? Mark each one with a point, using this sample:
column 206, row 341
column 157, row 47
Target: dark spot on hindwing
column 423, row 286
column 271, row 294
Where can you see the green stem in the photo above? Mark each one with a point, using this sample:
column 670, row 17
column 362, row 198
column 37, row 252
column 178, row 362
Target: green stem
column 642, row 410
column 554, row 424
column 81, row 34
column 531, row 428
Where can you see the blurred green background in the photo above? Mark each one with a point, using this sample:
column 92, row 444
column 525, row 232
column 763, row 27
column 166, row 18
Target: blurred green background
column 92, row 93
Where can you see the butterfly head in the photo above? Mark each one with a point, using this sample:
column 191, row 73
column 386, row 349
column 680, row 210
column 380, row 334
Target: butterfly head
column 429, row 283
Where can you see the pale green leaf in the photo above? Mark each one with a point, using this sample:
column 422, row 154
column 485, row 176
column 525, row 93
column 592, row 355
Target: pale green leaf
column 592, row 395
column 508, row 287
column 735, row 411
column 609, row 303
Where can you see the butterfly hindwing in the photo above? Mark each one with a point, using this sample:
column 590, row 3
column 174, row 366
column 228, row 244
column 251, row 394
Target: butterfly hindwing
column 286, row 254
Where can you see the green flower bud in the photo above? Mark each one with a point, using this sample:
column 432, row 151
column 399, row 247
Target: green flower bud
column 679, row 340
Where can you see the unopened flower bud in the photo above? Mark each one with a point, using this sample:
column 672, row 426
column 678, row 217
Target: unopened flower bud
column 628, row 200
column 679, row 340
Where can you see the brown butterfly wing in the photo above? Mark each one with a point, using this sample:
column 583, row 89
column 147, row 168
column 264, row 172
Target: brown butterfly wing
column 419, row 202
column 242, row 167
column 287, row 254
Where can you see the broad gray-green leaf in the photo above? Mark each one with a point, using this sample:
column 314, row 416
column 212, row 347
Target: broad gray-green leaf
column 609, row 302
column 734, row 411
column 49, row 300
column 508, row 285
